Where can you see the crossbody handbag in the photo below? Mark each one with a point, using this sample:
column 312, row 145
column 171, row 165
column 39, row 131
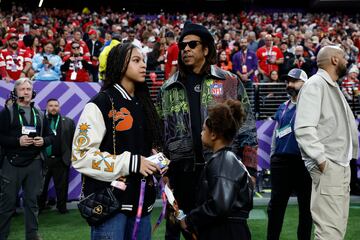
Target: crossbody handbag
column 99, row 206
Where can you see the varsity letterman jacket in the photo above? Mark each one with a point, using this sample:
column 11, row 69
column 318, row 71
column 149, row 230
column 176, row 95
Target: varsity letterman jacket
column 93, row 149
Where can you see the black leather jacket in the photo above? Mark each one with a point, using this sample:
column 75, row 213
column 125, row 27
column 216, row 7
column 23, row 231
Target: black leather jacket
column 225, row 192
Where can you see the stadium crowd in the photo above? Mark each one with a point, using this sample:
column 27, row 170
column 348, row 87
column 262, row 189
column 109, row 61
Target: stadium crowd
column 54, row 44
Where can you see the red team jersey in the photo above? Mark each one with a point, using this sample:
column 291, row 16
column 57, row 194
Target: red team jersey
column 13, row 62
column 264, row 53
column 171, row 58
column 77, row 71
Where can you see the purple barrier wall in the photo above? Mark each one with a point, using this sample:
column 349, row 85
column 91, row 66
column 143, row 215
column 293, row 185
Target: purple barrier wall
column 74, row 96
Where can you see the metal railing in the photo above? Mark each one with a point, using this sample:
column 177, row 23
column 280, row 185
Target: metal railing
column 265, row 98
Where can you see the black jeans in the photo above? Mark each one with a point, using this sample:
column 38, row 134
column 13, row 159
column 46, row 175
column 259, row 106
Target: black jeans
column 185, row 186
column 57, row 170
column 288, row 175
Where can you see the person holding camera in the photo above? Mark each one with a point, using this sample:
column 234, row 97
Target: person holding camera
column 24, row 134
column 47, row 65
column 269, row 57
column 300, row 61
column 76, row 66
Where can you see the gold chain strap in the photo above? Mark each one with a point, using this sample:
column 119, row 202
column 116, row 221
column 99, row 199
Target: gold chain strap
column 114, row 144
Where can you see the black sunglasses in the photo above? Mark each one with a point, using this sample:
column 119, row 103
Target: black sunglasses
column 191, row 44
column 76, row 48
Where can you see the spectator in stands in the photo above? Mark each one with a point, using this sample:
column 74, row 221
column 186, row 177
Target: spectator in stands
column 14, row 62
column 327, row 146
column 155, row 58
column 60, row 47
column 245, row 64
column 47, row 65
column 269, row 57
column 115, row 40
column 253, row 44
column 149, row 46
column 131, row 37
column 94, row 46
column 289, row 59
column 198, row 74
column 84, row 50
column 301, row 61
column 76, row 66
column 288, row 172
column 171, row 55
column 223, row 62
column 350, row 84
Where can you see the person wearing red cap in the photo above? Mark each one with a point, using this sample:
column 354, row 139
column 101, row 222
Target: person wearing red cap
column 84, row 50
column 94, row 46
column 14, row 62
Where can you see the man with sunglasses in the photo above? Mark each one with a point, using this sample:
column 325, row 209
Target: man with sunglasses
column 185, row 98
column 76, row 66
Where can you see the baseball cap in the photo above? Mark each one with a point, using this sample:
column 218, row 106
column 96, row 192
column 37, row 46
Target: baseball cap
column 11, row 35
column 354, row 69
column 298, row 74
column 92, row 31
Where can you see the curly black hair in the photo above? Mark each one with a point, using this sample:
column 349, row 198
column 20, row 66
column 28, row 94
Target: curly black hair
column 116, row 66
column 224, row 119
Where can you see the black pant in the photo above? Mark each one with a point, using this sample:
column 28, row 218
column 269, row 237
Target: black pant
column 12, row 178
column 184, row 185
column 288, row 175
column 57, row 170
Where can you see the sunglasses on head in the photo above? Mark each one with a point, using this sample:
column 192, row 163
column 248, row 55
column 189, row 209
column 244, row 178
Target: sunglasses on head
column 191, row 44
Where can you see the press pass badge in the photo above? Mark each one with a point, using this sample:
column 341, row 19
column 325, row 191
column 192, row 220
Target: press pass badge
column 159, row 159
column 244, row 69
column 73, row 75
column 283, row 131
column 27, row 130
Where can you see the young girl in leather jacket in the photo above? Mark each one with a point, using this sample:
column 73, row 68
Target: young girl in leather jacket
column 225, row 191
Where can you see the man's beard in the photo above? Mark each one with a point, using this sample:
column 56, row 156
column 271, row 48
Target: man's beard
column 14, row 46
column 292, row 91
column 341, row 71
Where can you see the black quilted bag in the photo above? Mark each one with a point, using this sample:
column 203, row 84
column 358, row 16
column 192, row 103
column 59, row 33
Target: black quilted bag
column 99, row 206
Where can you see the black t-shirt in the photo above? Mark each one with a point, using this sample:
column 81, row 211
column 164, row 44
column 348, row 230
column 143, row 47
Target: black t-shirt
column 193, row 84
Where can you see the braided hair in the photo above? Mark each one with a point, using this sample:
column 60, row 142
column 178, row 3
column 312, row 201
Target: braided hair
column 116, row 66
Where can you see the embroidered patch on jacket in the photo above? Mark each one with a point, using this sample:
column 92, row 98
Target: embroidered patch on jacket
column 109, row 167
column 124, row 118
column 217, row 89
column 82, row 139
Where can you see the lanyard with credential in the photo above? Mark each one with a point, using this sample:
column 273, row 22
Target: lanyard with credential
column 34, row 114
column 283, row 113
column 56, row 124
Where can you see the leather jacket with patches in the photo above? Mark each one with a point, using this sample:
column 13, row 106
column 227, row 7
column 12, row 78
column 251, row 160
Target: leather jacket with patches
column 174, row 109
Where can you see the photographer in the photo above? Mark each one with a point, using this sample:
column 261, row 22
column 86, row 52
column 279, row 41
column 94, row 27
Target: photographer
column 24, row 134
column 76, row 66
column 300, row 61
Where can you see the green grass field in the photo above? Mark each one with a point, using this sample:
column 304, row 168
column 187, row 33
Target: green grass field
column 54, row 226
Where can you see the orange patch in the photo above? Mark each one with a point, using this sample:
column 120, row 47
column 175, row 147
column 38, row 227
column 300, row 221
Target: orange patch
column 124, row 117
